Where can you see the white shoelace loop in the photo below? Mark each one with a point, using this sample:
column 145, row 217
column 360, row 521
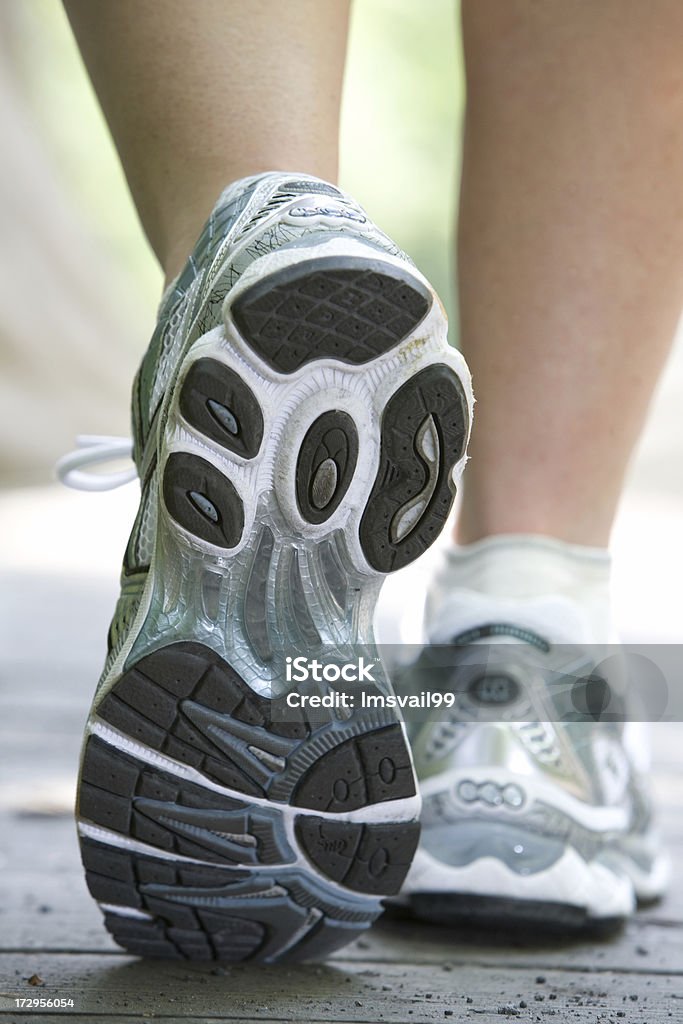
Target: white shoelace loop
column 91, row 450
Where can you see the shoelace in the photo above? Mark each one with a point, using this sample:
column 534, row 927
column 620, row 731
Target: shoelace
column 91, row 450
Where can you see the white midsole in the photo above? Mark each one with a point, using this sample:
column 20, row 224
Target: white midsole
column 570, row 880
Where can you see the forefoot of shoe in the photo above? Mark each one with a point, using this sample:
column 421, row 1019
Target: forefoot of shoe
column 309, row 448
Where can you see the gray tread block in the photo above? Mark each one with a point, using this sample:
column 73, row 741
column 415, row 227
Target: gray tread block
column 336, row 307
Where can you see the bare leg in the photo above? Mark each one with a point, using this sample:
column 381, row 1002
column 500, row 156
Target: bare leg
column 200, row 94
column 570, row 252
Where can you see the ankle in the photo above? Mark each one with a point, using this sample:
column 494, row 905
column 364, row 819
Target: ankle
column 518, row 572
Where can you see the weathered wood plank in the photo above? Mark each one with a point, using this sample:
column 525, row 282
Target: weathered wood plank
column 69, row 921
column 639, row 948
column 108, row 1018
column 54, row 912
column 44, row 904
column 347, row 991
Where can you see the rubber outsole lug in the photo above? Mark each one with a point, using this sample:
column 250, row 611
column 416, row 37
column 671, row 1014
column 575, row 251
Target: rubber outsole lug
column 368, row 858
column 362, row 770
column 218, row 403
column 326, row 464
column 202, row 500
column 338, row 307
column 413, row 493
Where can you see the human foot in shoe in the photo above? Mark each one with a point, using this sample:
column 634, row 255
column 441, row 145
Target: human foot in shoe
column 299, row 421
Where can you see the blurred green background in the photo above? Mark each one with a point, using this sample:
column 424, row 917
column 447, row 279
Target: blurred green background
column 65, row 199
column 400, row 130
column 79, row 287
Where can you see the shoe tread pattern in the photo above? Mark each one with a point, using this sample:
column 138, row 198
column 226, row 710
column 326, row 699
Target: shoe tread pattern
column 228, row 882
column 336, row 307
column 433, row 399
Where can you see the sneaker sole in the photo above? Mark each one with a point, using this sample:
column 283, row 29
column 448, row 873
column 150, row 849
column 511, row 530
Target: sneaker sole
column 308, row 449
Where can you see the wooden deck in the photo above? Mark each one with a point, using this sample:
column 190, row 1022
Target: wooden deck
column 52, row 942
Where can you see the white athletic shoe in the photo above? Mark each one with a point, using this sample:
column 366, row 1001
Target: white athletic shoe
column 300, row 421
column 528, row 813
